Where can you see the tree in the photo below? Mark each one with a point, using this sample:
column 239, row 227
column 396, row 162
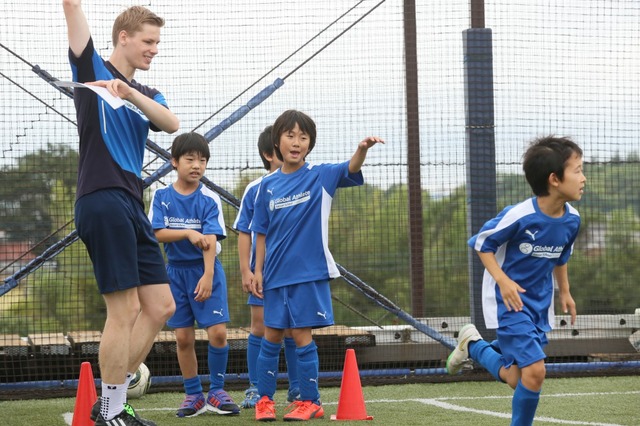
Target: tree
column 26, row 190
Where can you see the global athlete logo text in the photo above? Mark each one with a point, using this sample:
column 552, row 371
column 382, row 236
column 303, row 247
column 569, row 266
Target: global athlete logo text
column 546, row 252
column 180, row 222
column 289, row 201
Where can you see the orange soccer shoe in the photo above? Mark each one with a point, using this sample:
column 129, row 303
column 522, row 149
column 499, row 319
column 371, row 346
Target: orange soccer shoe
column 265, row 410
column 303, row 410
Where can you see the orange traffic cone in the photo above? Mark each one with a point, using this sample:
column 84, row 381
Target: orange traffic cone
column 86, row 396
column 351, row 400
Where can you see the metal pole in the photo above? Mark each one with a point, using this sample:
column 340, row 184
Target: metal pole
column 416, row 243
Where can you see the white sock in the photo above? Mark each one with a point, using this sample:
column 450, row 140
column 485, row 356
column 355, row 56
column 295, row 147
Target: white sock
column 112, row 402
column 127, row 381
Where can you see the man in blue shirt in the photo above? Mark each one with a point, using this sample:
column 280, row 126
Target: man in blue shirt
column 109, row 211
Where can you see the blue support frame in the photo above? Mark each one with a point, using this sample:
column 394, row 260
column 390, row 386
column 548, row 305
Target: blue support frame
column 481, row 158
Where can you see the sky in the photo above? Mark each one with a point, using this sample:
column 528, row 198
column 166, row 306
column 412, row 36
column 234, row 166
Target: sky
column 563, row 67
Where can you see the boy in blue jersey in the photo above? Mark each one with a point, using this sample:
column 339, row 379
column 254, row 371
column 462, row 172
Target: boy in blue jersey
column 525, row 250
column 293, row 263
column 246, row 254
column 187, row 217
column 109, row 210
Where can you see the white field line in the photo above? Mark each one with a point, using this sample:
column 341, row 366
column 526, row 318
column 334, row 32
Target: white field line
column 454, row 407
column 440, row 402
column 543, row 395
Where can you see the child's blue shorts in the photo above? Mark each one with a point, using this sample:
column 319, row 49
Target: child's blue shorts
column 183, row 279
column 299, row 306
column 521, row 343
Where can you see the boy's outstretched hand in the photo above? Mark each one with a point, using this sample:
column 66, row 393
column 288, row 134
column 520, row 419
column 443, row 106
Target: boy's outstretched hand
column 369, row 141
column 358, row 157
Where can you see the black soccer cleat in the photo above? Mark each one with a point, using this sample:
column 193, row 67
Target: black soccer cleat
column 95, row 413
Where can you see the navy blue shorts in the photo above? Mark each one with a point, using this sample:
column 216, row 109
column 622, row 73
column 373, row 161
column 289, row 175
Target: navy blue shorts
column 121, row 244
column 299, row 306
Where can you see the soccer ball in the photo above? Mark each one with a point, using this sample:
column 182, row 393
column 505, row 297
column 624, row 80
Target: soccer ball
column 140, row 383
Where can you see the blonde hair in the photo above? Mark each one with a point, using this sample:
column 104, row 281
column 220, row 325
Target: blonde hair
column 132, row 20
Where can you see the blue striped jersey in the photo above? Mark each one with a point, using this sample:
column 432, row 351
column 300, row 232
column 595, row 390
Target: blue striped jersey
column 292, row 210
column 528, row 245
column 201, row 211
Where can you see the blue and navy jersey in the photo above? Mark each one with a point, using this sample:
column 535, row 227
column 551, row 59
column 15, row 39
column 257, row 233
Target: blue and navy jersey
column 112, row 141
column 245, row 215
column 528, row 245
column 292, row 210
column 201, row 210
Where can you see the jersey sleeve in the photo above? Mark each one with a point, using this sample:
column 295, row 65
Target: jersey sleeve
column 568, row 250
column 82, row 67
column 213, row 221
column 155, row 211
column 260, row 219
column 337, row 176
column 494, row 233
column 245, row 212
column 566, row 254
column 159, row 98
column 351, row 179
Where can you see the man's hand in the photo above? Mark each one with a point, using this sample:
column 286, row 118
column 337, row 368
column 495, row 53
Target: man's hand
column 116, row 87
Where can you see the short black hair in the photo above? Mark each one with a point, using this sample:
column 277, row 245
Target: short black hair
column 547, row 155
column 190, row 142
column 265, row 146
column 286, row 122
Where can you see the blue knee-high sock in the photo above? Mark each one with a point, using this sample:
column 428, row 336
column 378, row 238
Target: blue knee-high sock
column 482, row 352
column 308, row 366
column 524, row 405
column 192, row 386
column 267, row 368
column 253, row 350
column 217, row 359
column 292, row 362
